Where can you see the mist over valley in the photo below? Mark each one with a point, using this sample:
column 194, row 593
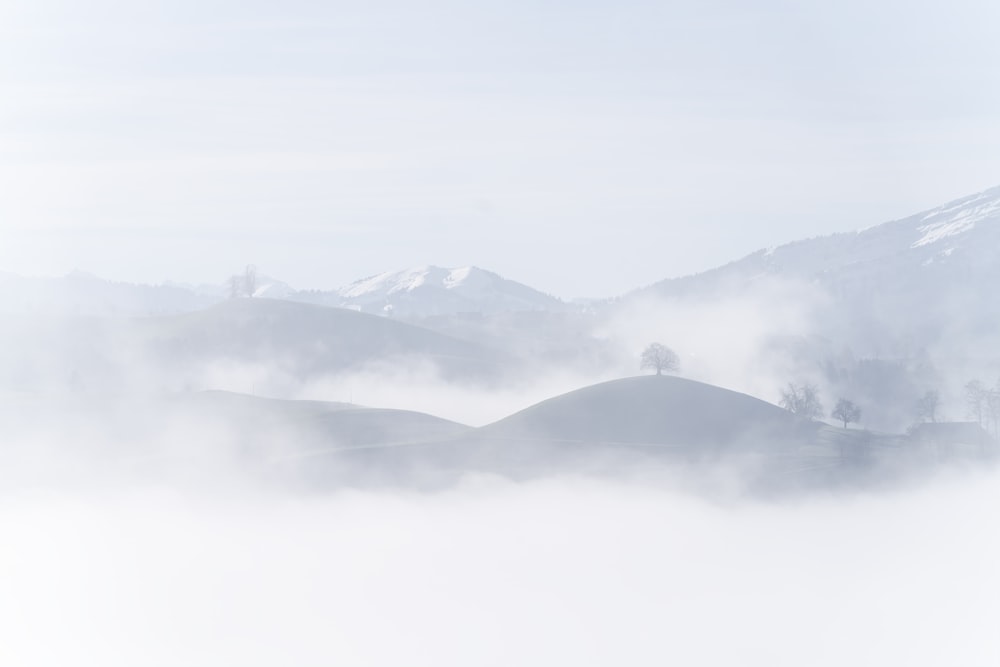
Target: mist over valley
column 447, row 334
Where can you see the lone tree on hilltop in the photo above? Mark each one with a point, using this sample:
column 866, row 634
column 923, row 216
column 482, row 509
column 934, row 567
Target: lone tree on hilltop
column 846, row 411
column 802, row 400
column 659, row 358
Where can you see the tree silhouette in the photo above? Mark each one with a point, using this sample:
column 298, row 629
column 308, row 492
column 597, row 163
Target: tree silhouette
column 927, row 406
column 250, row 280
column 659, row 358
column 846, row 411
column 976, row 396
column 802, row 400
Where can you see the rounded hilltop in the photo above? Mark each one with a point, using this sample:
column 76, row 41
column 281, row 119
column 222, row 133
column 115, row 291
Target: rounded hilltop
column 652, row 410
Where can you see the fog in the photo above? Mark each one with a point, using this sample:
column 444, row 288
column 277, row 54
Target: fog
column 727, row 339
column 158, row 523
column 440, row 465
column 138, row 531
column 561, row 571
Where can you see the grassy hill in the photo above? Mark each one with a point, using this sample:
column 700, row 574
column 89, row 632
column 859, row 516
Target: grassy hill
column 312, row 426
column 305, row 339
column 274, row 339
column 652, row 410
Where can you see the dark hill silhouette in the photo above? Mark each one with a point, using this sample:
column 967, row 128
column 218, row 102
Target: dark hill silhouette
column 653, row 410
column 305, row 339
column 309, row 426
column 632, row 425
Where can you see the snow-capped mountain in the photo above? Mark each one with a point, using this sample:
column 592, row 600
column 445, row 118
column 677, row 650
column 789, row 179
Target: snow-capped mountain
column 928, row 277
column 431, row 290
column 270, row 288
column 965, row 231
column 420, row 292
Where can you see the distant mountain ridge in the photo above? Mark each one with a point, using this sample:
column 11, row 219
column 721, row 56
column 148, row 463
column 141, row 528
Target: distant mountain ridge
column 83, row 294
column 424, row 291
column 964, row 229
column 927, row 278
column 432, row 290
column 949, row 253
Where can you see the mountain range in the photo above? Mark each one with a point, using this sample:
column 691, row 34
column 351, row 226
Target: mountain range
column 431, row 290
column 947, row 255
column 884, row 314
column 913, row 281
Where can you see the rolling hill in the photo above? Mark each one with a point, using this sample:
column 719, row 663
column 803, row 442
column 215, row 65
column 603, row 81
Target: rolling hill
column 655, row 411
column 305, row 340
column 80, row 294
column 312, row 427
column 289, row 342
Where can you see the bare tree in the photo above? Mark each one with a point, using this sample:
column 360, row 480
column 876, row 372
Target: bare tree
column 846, row 411
column 250, row 280
column 976, row 399
column 235, row 287
column 927, row 406
column 992, row 405
column 802, row 400
column 659, row 357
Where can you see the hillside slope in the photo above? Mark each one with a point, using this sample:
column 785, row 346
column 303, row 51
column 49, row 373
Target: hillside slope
column 287, row 342
column 83, row 295
column 308, row 338
column 652, row 410
column 923, row 277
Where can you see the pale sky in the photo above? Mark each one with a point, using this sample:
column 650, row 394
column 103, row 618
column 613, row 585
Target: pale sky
column 585, row 148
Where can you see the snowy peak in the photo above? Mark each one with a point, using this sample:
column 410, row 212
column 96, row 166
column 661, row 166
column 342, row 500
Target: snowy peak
column 458, row 276
column 393, row 282
column 966, row 230
column 919, row 279
column 433, row 290
column 409, row 280
column 958, row 217
column 270, row 288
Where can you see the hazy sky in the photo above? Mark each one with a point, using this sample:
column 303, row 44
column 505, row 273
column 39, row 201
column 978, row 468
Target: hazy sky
column 583, row 147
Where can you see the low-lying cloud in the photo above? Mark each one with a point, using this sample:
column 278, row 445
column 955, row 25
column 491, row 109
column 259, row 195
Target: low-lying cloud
column 560, row 571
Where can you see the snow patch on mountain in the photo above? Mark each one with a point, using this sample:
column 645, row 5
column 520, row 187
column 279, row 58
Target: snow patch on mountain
column 457, row 277
column 960, row 217
column 387, row 283
column 431, row 290
column 269, row 288
column 894, row 255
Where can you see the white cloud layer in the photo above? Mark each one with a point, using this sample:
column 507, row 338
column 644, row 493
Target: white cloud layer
column 564, row 571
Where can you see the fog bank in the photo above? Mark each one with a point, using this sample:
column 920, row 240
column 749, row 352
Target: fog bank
column 561, row 571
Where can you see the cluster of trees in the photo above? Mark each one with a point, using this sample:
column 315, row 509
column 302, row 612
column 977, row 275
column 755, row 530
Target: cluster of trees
column 803, row 400
column 927, row 406
column 984, row 404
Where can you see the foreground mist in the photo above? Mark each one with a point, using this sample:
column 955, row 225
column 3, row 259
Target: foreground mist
column 561, row 571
